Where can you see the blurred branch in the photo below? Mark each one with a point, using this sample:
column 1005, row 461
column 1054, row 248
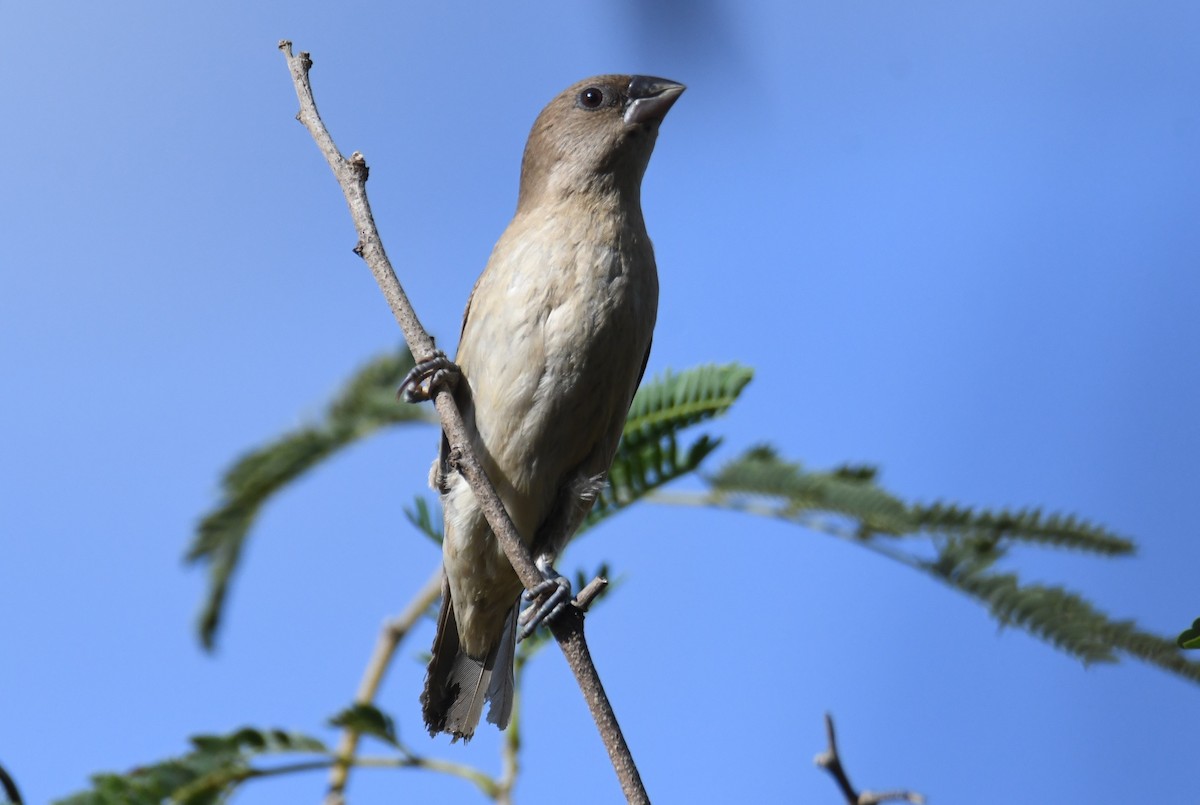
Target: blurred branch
column 393, row 633
column 567, row 628
column 831, row 762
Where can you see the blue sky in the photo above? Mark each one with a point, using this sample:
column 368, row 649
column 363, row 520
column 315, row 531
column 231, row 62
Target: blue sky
column 957, row 241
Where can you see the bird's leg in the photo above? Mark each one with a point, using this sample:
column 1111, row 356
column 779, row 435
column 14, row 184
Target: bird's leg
column 423, row 379
column 547, row 600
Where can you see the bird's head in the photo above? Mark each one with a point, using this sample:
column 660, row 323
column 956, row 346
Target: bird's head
column 597, row 135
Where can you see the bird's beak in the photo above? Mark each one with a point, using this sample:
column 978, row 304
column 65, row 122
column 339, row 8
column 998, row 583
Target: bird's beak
column 650, row 98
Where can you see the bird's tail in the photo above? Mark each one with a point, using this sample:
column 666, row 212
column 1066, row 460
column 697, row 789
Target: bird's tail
column 457, row 685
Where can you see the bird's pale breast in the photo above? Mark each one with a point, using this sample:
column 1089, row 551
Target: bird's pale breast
column 552, row 348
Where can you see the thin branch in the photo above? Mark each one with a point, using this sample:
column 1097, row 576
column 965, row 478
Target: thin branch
column 408, row 761
column 394, row 631
column 464, row 772
column 831, row 762
column 568, row 628
column 594, row 588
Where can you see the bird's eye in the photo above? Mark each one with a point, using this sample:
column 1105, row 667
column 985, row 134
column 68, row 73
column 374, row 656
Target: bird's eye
column 591, row 98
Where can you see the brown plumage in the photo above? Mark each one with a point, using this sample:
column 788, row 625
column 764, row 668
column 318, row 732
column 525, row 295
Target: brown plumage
column 554, row 342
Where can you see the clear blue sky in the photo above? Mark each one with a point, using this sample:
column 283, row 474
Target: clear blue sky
column 959, row 241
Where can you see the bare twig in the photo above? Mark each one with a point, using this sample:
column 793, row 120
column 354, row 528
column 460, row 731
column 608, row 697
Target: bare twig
column 589, row 593
column 568, row 628
column 390, row 637
column 832, row 763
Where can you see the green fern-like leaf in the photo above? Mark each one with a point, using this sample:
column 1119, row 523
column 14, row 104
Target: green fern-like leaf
column 421, row 515
column 671, row 402
column 851, row 492
column 1152, row 648
column 365, row 405
column 253, row 741
column 1021, row 525
column 367, row 719
column 208, row 774
column 636, row 474
column 1058, row 616
column 966, row 546
column 649, row 455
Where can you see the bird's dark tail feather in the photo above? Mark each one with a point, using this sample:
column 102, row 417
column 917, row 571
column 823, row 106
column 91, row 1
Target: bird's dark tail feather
column 457, row 685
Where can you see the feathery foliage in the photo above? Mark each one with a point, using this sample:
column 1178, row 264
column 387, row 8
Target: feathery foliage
column 960, row 546
column 1056, row 615
column 367, row 404
column 367, row 719
column 849, row 491
column 966, row 544
column 649, row 455
column 422, row 517
column 1022, row 525
column 208, row 774
column 671, row 402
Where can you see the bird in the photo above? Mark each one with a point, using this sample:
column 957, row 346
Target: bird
column 554, row 343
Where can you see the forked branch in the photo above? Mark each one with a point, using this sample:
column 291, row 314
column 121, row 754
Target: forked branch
column 831, row 762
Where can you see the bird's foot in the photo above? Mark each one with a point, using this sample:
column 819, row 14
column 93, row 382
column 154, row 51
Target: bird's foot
column 423, row 379
column 547, row 600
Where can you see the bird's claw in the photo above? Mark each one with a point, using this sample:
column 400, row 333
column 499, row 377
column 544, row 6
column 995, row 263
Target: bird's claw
column 423, row 379
column 547, row 600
